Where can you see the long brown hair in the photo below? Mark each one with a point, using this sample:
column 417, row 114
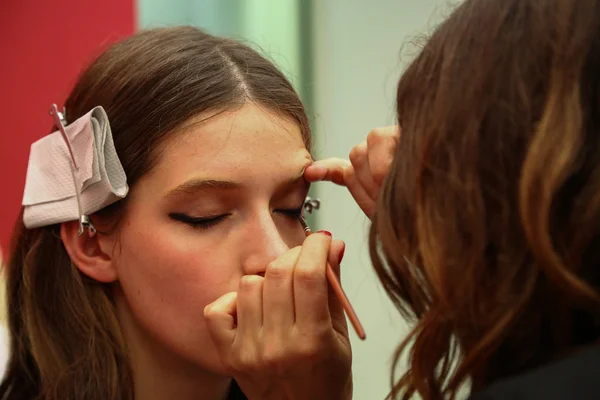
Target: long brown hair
column 487, row 230
column 66, row 341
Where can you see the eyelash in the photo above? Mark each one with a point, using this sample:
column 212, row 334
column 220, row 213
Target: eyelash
column 209, row 222
column 293, row 213
column 198, row 222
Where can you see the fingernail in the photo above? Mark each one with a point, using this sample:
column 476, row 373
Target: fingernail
column 341, row 255
column 325, row 232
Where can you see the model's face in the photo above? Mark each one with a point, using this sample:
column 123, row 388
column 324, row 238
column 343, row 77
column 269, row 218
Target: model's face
column 222, row 202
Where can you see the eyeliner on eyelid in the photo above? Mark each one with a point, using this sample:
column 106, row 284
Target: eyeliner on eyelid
column 206, row 222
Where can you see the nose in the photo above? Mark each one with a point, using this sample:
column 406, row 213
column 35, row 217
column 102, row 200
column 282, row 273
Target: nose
column 264, row 244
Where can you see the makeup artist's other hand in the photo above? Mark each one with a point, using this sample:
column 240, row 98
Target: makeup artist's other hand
column 363, row 175
column 284, row 336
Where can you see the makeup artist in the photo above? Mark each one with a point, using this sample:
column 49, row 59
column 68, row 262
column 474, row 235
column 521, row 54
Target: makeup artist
column 486, row 208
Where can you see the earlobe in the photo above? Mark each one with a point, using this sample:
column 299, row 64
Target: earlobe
column 91, row 255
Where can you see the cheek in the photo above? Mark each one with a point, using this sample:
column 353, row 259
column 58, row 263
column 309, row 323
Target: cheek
column 167, row 285
column 160, row 269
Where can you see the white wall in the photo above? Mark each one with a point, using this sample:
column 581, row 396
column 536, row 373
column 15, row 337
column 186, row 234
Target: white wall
column 357, row 64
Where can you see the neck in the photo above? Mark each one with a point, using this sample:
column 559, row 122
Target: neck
column 160, row 374
column 155, row 380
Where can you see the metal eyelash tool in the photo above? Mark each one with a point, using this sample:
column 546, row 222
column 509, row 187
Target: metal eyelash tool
column 60, row 121
column 309, row 206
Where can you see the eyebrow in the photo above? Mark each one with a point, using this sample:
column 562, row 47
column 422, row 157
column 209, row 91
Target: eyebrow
column 194, row 185
column 198, row 184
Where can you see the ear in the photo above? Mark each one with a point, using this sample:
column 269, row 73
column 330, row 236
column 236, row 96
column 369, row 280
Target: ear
column 91, row 255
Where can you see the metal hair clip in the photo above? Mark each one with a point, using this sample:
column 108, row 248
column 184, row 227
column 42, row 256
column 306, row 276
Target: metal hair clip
column 61, row 122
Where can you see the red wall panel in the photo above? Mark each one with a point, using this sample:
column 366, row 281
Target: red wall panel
column 44, row 46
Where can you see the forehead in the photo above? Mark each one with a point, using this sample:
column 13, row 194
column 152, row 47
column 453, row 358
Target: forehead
column 244, row 143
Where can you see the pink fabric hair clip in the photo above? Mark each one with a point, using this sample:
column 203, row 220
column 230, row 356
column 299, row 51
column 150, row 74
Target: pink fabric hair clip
column 73, row 172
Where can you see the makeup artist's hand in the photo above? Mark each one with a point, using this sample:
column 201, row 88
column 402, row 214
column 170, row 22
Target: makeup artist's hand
column 284, row 336
column 363, row 175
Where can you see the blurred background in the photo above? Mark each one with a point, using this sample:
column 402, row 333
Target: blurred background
column 343, row 56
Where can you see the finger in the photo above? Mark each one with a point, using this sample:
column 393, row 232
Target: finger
column 360, row 161
column 336, row 310
column 250, row 306
column 382, row 144
column 362, row 198
column 310, row 282
column 329, row 169
column 278, row 292
column 220, row 318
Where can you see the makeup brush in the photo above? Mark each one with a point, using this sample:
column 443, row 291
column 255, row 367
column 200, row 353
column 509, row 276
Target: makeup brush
column 337, row 288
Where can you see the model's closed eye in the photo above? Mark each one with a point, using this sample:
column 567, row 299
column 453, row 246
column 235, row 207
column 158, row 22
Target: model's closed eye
column 291, row 212
column 204, row 222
